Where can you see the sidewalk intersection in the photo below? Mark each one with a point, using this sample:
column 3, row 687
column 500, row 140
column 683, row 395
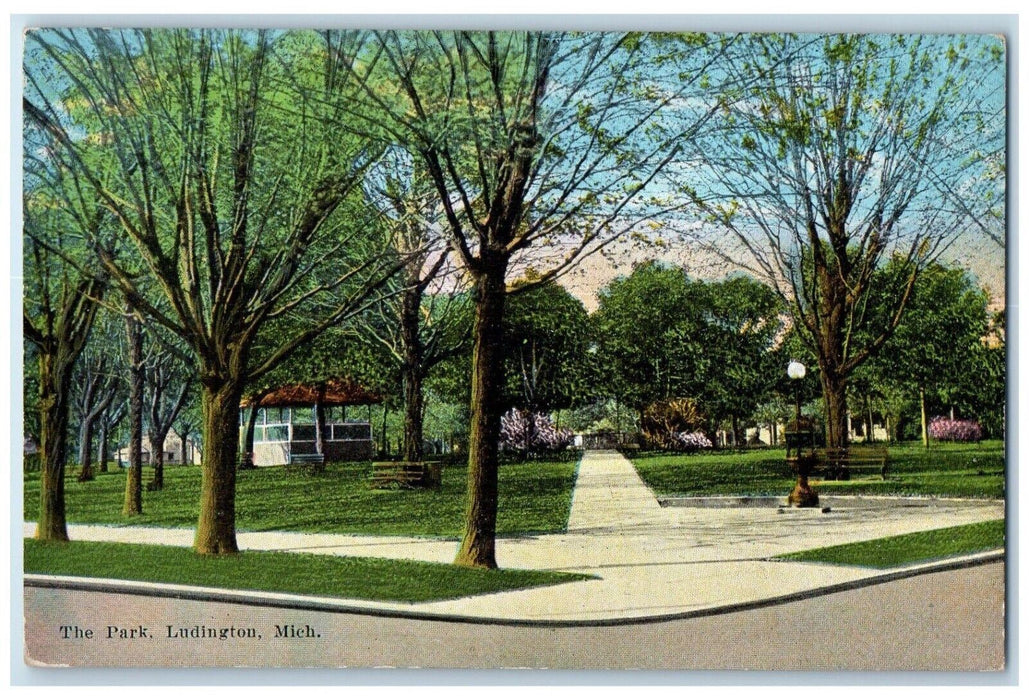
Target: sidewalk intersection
column 650, row 562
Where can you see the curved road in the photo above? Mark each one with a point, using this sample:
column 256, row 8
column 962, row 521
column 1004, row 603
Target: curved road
column 950, row 621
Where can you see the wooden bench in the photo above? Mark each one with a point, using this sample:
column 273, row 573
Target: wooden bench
column 839, row 464
column 408, row 475
column 309, row 464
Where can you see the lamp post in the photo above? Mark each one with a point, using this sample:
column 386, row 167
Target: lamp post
column 796, row 371
column 802, row 496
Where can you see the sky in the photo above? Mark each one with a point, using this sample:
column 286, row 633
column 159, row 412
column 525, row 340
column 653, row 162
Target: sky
column 984, row 259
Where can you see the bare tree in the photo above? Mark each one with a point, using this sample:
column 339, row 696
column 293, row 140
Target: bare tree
column 61, row 300
column 228, row 182
column 133, row 501
column 108, row 423
column 97, row 387
column 424, row 322
column 542, row 148
column 169, row 389
column 846, row 151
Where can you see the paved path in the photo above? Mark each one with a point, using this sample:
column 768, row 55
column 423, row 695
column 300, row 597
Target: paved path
column 649, row 562
column 610, row 495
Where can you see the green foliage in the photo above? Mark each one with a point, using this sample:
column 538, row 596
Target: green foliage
column 745, row 320
column 834, row 153
column 600, row 415
column 661, row 334
column 547, row 341
column 648, row 335
column 233, row 190
column 339, row 352
column 341, row 577
column 946, row 345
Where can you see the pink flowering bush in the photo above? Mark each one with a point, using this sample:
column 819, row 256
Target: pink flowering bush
column 689, row 442
column 948, row 430
column 532, row 432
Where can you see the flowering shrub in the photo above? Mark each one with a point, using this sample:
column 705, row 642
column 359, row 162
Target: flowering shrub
column 949, row 430
column 531, row 432
column 663, row 420
column 690, row 442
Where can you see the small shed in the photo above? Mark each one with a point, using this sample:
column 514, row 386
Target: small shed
column 307, row 423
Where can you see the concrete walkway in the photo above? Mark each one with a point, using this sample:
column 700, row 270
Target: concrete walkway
column 649, row 562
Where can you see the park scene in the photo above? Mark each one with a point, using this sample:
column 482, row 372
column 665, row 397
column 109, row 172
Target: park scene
column 511, row 328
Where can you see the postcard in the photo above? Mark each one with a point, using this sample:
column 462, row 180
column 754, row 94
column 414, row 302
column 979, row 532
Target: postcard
column 491, row 348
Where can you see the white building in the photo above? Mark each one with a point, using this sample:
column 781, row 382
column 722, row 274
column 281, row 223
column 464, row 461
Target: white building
column 175, row 450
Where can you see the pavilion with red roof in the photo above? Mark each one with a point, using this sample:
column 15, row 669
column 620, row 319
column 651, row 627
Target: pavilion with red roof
column 307, row 423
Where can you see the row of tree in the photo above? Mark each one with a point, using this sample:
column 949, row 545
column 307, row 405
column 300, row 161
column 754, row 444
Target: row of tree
column 658, row 334
column 250, row 192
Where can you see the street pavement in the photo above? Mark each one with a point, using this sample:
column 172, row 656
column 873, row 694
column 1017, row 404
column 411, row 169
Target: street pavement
column 648, row 562
column 949, row 621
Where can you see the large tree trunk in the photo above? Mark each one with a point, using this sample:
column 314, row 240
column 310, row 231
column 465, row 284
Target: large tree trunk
column 411, row 370
column 54, row 380
column 133, row 504
column 831, row 358
column 216, row 528
column 478, row 548
column 834, row 391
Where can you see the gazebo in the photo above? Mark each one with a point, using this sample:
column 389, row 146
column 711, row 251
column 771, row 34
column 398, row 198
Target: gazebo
column 307, row 423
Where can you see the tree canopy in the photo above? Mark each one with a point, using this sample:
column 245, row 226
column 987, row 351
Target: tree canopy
column 661, row 335
column 230, row 184
column 836, row 153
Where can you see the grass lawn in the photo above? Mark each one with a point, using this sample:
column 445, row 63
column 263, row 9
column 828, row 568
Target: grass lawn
column 907, row 549
column 535, row 497
column 957, row 470
column 309, row 574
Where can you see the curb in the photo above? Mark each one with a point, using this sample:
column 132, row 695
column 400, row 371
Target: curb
column 844, row 499
column 296, row 602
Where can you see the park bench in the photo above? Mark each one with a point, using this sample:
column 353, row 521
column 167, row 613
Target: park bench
column 308, row 464
column 840, row 463
column 409, row 475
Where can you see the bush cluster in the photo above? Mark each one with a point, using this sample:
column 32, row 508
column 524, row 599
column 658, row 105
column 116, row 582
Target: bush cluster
column 532, row 432
column 949, row 430
column 690, row 442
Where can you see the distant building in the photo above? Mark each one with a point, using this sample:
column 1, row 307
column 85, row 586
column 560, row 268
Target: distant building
column 762, row 435
column 176, row 451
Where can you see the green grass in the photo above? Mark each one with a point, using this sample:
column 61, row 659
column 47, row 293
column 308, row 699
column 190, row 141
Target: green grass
column 307, row 574
column 907, row 549
column 535, row 497
column 958, row 470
